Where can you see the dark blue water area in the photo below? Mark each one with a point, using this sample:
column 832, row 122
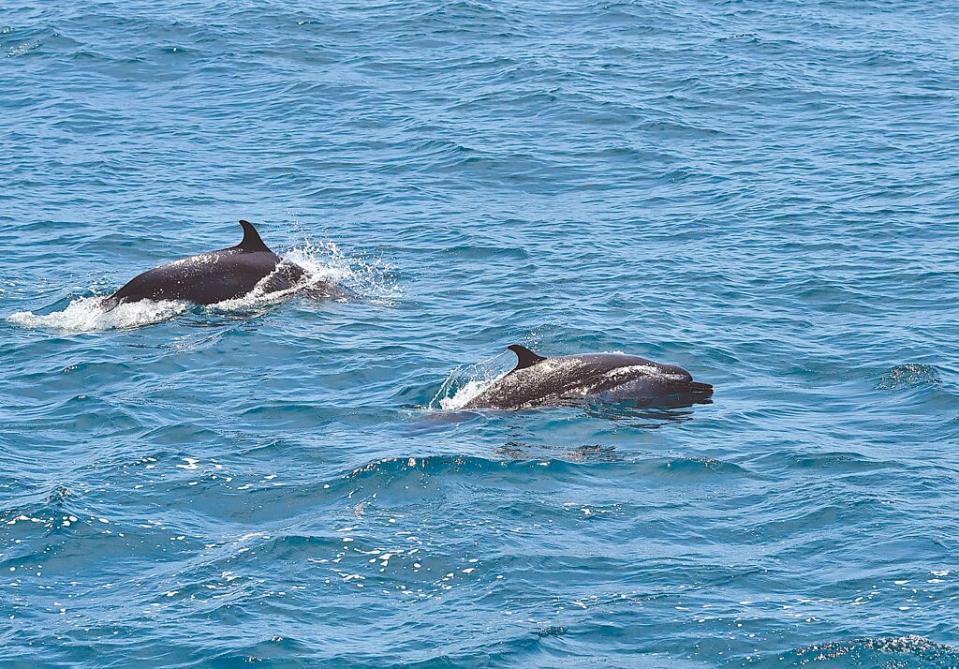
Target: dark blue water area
column 763, row 193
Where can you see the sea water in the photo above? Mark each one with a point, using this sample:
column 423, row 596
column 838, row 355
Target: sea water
column 763, row 193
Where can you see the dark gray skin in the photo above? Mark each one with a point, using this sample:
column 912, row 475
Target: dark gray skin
column 213, row 277
column 538, row 381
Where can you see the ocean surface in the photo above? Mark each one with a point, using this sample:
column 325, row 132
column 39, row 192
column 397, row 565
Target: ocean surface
column 765, row 193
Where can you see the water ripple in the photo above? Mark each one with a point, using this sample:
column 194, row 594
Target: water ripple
column 763, row 194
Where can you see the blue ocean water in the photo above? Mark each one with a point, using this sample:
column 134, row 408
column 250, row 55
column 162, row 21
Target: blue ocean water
column 764, row 193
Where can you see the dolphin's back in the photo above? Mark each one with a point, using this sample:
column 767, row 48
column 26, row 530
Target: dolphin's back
column 213, row 277
column 204, row 279
column 573, row 377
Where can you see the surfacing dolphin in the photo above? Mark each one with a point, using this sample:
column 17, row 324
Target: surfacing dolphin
column 216, row 276
column 538, row 381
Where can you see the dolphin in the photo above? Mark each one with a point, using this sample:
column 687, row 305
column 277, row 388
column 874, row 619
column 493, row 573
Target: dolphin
column 538, row 381
column 213, row 277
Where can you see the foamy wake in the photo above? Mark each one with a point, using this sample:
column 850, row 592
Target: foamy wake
column 328, row 273
column 465, row 383
column 85, row 314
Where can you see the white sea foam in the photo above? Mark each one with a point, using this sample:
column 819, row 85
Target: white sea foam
column 86, row 314
column 366, row 278
column 467, row 382
column 324, row 262
column 464, row 394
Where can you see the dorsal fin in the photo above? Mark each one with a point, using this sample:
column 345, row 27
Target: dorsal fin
column 526, row 358
column 251, row 239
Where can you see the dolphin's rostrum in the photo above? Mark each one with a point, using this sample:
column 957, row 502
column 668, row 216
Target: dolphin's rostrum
column 213, row 277
column 538, row 381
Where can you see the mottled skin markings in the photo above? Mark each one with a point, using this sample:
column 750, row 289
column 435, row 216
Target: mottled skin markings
column 539, row 381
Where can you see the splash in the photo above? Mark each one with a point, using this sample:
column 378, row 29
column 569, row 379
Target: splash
column 368, row 278
column 464, row 394
column 86, row 314
column 328, row 273
column 466, row 382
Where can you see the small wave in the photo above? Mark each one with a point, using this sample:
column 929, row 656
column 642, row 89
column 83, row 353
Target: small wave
column 523, row 460
column 50, row 510
column 425, row 465
column 884, row 652
column 585, row 454
column 382, row 472
column 908, row 376
column 86, row 314
column 699, row 465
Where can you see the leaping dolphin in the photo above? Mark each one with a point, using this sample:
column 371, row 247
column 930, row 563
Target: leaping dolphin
column 539, row 381
column 213, row 277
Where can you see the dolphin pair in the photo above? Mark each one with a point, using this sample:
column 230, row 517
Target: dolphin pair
column 233, row 272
